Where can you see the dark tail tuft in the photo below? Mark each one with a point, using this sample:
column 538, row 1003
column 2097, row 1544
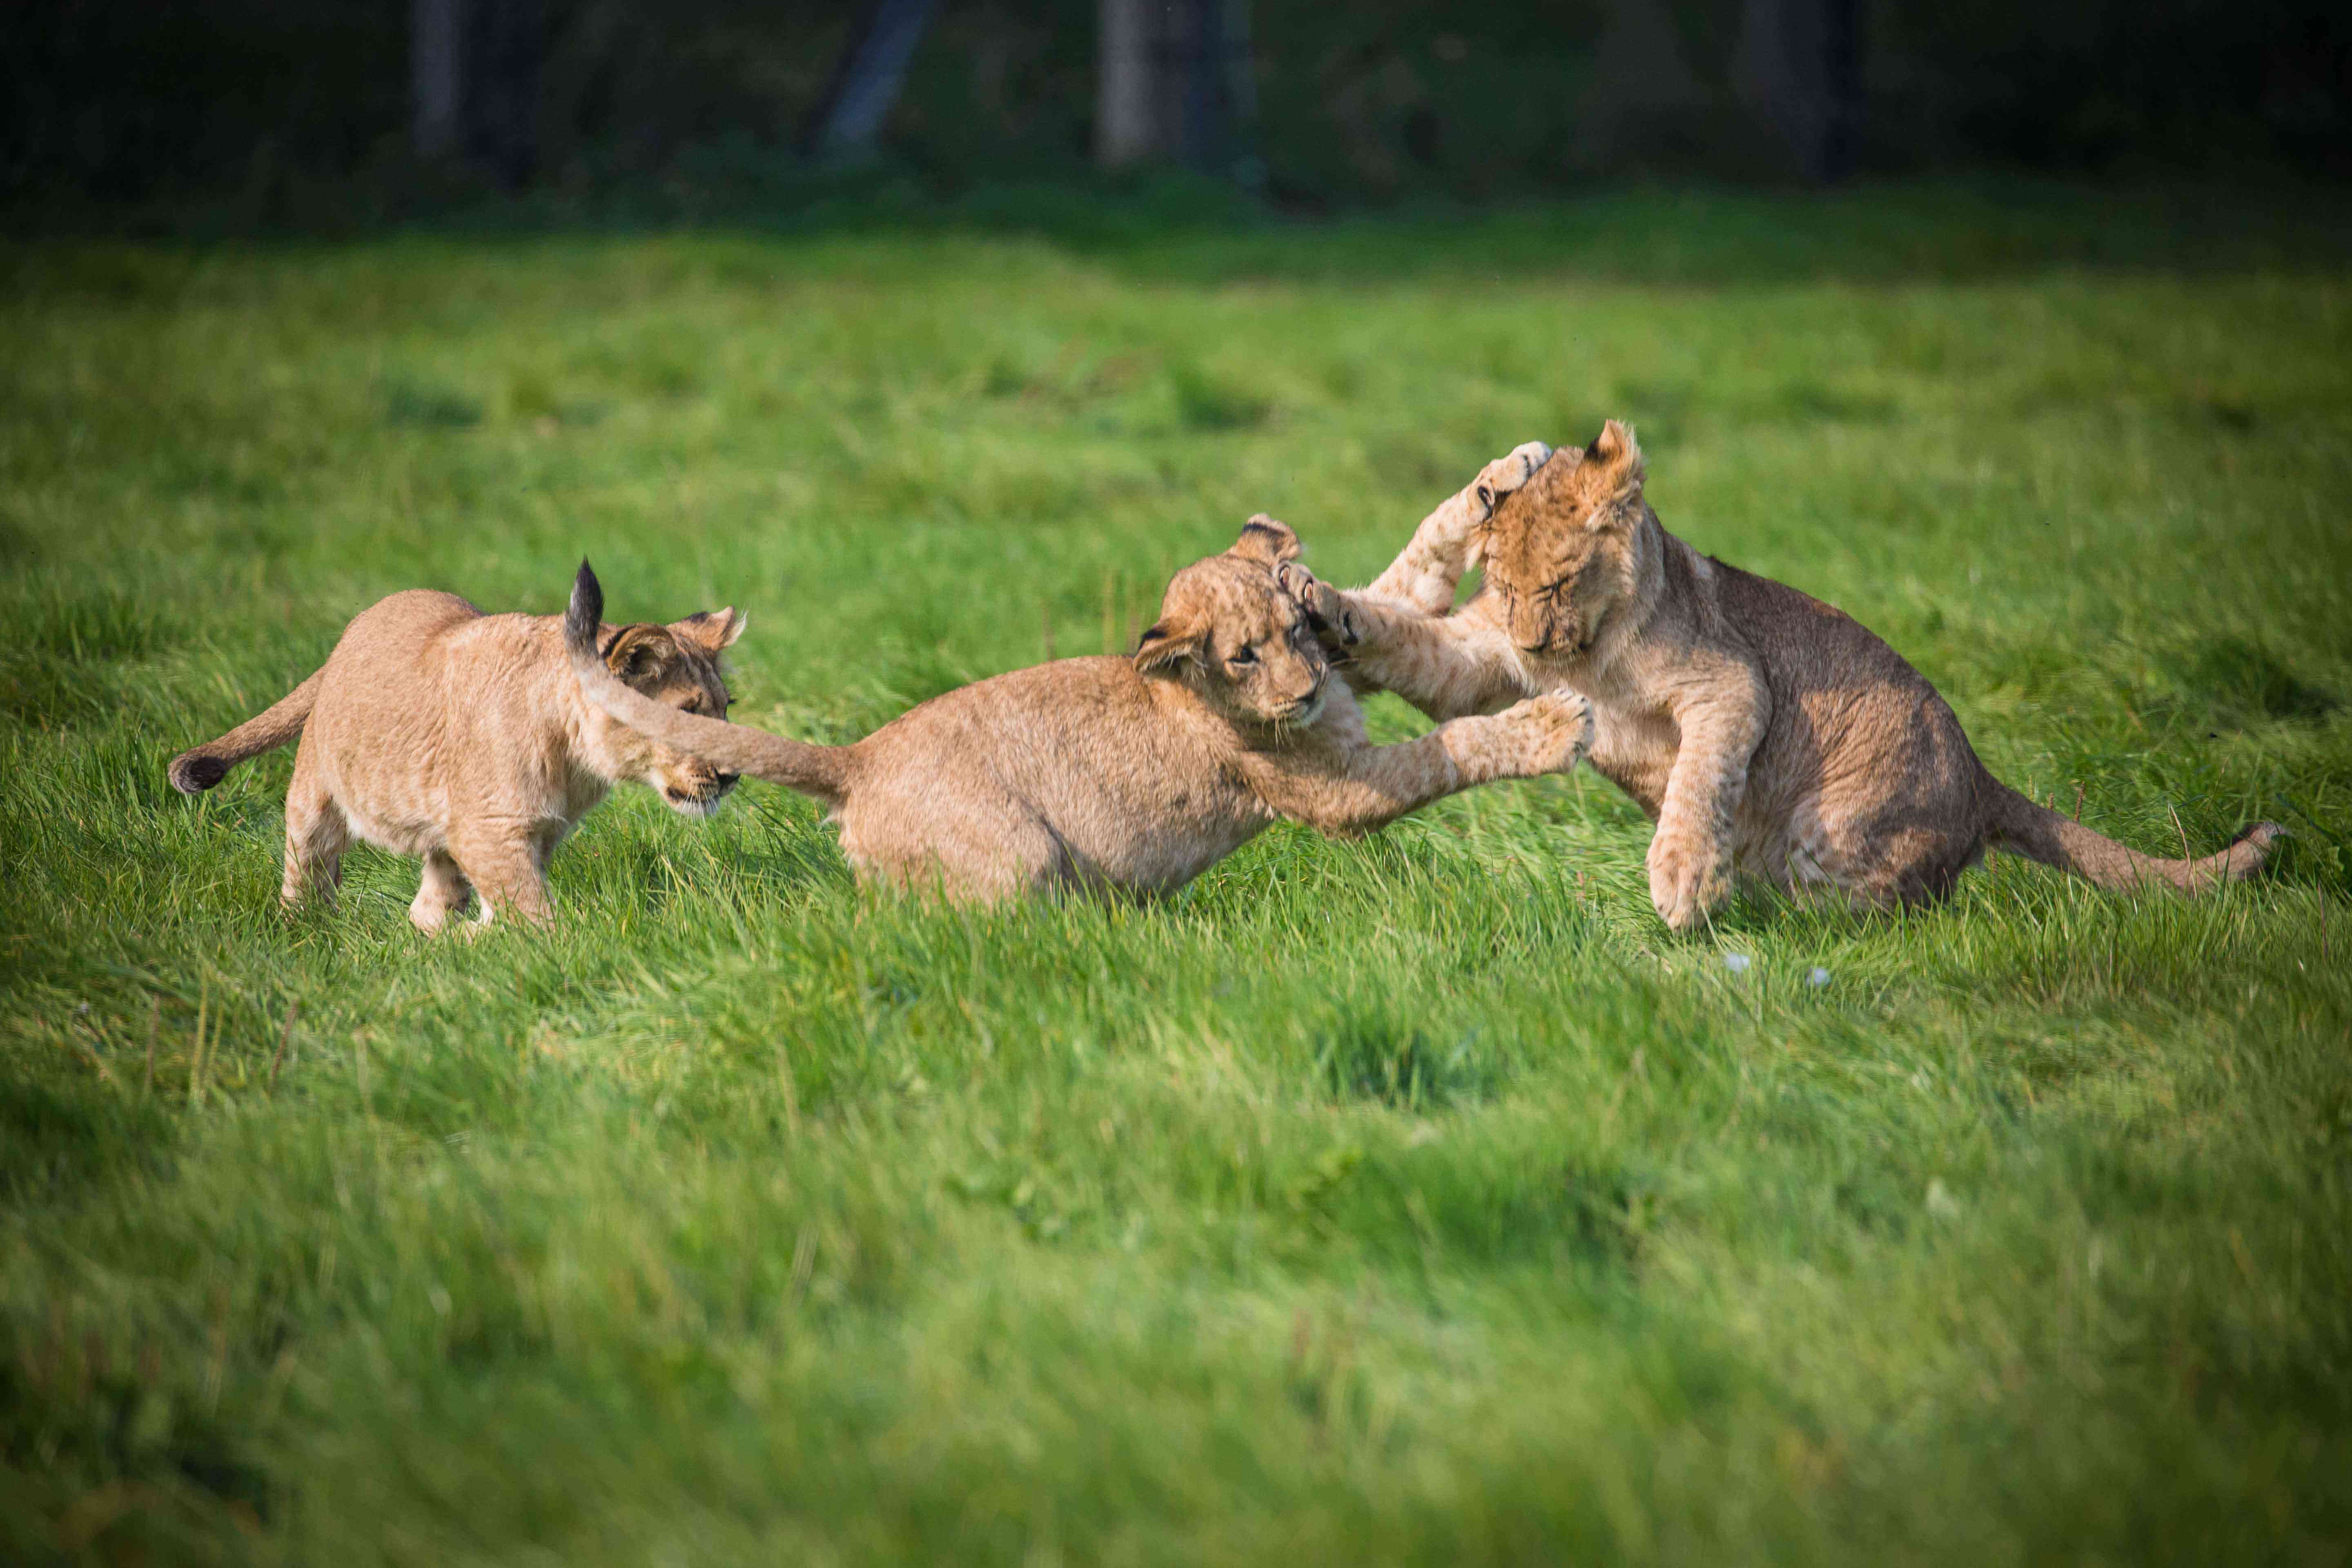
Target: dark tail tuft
column 587, row 610
column 193, row 773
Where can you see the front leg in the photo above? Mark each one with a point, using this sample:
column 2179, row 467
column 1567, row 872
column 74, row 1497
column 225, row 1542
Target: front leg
column 502, row 861
column 1426, row 573
column 1690, row 856
column 1346, row 791
column 1446, row 665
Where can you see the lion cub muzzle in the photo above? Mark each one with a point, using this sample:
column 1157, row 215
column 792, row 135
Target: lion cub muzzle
column 1544, row 622
column 1239, row 636
column 1306, row 708
column 681, row 670
column 700, row 798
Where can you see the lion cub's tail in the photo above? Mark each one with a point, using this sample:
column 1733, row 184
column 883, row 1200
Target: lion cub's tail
column 2018, row 823
column 196, row 771
column 823, row 771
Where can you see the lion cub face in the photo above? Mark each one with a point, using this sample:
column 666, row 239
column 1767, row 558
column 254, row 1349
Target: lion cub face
column 1228, row 631
column 677, row 664
column 1561, row 552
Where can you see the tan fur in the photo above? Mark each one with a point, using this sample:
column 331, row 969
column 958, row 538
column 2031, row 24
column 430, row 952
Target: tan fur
column 1120, row 774
column 1761, row 728
column 434, row 729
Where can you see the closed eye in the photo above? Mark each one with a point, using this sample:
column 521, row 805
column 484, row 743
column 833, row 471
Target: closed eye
column 1243, row 656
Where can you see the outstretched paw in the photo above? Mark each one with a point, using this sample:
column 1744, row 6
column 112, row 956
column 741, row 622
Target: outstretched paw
column 1556, row 728
column 1506, row 474
column 1329, row 617
column 1689, row 877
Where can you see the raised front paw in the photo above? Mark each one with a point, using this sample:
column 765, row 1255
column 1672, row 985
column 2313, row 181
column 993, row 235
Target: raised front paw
column 1690, row 875
column 1335, row 622
column 1554, row 730
column 1506, row 474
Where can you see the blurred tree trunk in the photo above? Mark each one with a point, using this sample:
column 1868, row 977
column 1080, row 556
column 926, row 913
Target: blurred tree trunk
column 865, row 82
column 1173, row 82
column 1800, row 66
column 1127, row 118
column 473, row 68
column 435, row 85
column 507, row 43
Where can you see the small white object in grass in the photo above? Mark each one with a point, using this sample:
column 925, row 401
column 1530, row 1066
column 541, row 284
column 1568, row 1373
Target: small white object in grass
column 1817, row 976
column 1736, row 962
column 1940, row 1201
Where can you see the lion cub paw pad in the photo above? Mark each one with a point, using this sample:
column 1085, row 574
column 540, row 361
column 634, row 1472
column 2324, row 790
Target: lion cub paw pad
column 1508, row 472
column 1324, row 607
column 1686, row 882
column 1559, row 726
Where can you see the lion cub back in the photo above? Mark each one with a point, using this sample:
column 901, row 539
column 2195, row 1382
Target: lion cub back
column 429, row 711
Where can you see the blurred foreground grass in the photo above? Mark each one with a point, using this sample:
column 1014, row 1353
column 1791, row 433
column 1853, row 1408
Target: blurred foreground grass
column 1410, row 1200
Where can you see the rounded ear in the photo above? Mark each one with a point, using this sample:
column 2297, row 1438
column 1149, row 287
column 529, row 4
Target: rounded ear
column 1266, row 542
column 1164, row 645
column 711, row 631
column 635, row 652
column 1615, row 454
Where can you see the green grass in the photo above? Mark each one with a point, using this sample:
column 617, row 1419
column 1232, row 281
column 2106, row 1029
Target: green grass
column 1417, row 1199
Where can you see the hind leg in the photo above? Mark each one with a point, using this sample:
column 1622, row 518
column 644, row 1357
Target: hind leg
column 999, row 875
column 444, row 892
column 1908, row 867
column 506, row 868
column 975, row 858
column 317, row 833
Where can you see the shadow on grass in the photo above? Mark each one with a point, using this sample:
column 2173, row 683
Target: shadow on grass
column 1365, row 1053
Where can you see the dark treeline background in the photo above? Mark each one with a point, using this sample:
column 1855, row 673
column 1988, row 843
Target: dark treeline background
column 283, row 110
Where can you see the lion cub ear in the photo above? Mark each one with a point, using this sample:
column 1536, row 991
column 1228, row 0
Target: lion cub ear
column 1166, row 643
column 1615, row 457
column 638, row 651
column 711, row 631
column 1265, row 541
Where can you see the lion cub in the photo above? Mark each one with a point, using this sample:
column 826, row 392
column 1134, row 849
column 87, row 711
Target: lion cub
column 1758, row 727
column 1128, row 773
column 434, row 730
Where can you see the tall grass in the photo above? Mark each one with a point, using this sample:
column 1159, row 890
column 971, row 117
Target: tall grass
column 1418, row 1199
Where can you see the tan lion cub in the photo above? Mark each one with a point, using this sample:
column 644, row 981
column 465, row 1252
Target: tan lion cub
column 434, row 730
column 1758, row 727
column 1129, row 773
